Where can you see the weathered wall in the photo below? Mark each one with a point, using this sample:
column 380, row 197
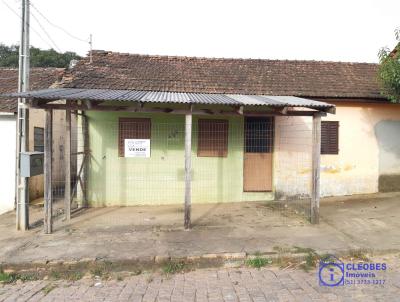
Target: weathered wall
column 368, row 149
column 368, row 159
column 36, row 119
column 388, row 136
column 159, row 179
column 8, row 124
column 292, row 157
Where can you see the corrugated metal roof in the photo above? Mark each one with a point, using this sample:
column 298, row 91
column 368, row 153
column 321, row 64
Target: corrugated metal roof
column 170, row 97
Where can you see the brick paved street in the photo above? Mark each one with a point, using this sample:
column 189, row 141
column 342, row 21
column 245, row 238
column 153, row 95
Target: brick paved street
column 231, row 284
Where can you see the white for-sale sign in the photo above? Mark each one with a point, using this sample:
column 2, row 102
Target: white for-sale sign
column 137, row 148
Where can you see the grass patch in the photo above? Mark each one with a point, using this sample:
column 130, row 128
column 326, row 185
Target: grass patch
column 48, row 288
column 8, row 277
column 311, row 261
column 102, row 269
column 70, row 275
column 359, row 255
column 54, row 275
column 258, row 262
column 173, row 267
column 25, row 277
column 12, row 277
column 73, row 275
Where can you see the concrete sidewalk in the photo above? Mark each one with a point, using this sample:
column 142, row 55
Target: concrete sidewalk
column 361, row 222
column 211, row 285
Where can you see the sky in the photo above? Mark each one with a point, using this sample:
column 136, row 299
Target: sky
column 330, row 30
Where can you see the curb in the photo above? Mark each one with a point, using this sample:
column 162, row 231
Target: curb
column 209, row 260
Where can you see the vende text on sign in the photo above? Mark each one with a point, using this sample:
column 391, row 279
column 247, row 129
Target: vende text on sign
column 137, row 147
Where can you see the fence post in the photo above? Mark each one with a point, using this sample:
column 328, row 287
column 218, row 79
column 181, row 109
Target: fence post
column 48, row 152
column 188, row 169
column 316, row 167
column 67, row 190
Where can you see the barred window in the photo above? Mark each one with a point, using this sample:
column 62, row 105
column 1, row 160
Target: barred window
column 329, row 137
column 212, row 138
column 38, row 139
column 259, row 134
column 132, row 128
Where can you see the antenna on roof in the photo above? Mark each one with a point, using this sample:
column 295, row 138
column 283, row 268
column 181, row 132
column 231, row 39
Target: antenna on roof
column 90, row 49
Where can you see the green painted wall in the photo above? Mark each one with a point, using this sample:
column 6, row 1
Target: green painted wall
column 115, row 180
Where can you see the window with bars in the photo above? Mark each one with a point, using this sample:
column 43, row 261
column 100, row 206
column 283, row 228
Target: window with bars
column 259, row 134
column 329, row 137
column 132, row 128
column 38, row 139
column 212, row 138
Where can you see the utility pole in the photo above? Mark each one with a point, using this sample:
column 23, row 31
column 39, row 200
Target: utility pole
column 90, row 48
column 23, row 121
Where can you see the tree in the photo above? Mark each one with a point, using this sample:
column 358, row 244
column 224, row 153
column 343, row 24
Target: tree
column 389, row 71
column 8, row 56
column 39, row 57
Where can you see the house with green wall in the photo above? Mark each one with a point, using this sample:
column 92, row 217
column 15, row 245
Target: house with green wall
column 180, row 130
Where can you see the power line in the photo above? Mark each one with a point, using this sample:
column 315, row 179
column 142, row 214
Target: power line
column 36, row 32
column 57, row 26
column 47, row 34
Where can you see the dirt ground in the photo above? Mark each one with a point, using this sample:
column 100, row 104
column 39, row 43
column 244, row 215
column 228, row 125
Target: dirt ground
column 119, row 233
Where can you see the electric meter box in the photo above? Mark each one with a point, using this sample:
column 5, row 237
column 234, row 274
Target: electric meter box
column 31, row 163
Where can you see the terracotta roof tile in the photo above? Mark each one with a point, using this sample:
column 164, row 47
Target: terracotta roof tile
column 40, row 78
column 111, row 70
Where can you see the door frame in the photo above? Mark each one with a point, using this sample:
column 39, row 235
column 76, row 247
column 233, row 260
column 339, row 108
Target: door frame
column 272, row 154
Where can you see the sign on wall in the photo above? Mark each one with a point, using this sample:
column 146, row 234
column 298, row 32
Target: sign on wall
column 137, row 147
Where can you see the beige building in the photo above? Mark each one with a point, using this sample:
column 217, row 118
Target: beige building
column 367, row 157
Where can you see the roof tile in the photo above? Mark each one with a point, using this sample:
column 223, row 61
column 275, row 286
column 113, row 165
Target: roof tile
column 40, row 78
column 111, row 70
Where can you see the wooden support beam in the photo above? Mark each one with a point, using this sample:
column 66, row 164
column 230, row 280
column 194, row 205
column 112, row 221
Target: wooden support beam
column 278, row 112
column 316, row 167
column 188, row 170
column 79, row 177
column 48, row 167
column 85, row 172
column 68, row 151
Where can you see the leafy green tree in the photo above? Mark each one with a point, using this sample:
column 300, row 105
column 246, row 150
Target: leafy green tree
column 389, row 71
column 8, row 56
column 39, row 57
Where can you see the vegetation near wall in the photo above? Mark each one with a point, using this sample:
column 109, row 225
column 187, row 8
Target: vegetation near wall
column 389, row 71
column 38, row 57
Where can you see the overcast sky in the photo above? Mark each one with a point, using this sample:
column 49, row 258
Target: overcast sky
column 338, row 30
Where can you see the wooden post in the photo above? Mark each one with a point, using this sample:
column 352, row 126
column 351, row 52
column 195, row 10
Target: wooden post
column 86, row 158
column 67, row 190
column 188, row 169
column 316, row 167
column 48, row 152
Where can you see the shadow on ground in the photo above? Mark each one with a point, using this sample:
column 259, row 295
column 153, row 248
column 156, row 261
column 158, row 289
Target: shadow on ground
column 118, row 233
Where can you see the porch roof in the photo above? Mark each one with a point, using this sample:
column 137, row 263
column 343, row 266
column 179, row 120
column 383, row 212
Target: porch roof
column 172, row 97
